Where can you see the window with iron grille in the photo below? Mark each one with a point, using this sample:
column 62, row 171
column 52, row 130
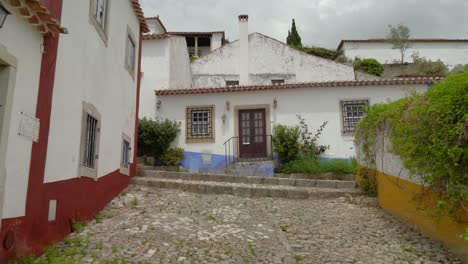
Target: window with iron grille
column 90, row 142
column 200, row 122
column 232, row 83
column 352, row 112
column 125, row 154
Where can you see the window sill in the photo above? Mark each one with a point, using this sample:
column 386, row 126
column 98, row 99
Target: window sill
column 131, row 72
column 199, row 140
column 125, row 170
column 99, row 30
column 88, row 172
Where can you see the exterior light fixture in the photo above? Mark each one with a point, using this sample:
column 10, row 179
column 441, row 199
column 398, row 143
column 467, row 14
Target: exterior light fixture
column 228, row 105
column 223, row 117
column 158, row 104
column 3, row 14
column 275, row 103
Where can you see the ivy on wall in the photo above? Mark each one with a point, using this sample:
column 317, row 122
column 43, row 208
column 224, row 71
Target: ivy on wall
column 429, row 132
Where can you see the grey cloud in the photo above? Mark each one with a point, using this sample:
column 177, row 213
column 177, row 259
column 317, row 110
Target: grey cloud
column 320, row 22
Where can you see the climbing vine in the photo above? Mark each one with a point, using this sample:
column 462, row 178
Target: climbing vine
column 429, row 132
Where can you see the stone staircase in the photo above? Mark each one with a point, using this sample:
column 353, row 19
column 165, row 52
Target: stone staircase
column 247, row 186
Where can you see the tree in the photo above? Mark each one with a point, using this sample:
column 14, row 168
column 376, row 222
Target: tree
column 399, row 36
column 293, row 38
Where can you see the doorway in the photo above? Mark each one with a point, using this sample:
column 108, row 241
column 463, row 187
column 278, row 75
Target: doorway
column 252, row 134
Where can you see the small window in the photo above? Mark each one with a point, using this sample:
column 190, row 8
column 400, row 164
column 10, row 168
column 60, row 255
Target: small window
column 232, row 83
column 200, row 123
column 125, row 154
column 278, row 81
column 130, row 54
column 99, row 12
column 352, row 113
column 89, row 141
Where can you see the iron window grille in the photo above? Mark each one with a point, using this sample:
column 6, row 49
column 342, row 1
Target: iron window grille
column 125, row 153
column 232, row 83
column 352, row 113
column 89, row 153
column 200, row 122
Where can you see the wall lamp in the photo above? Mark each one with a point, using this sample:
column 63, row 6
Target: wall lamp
column 275, row 103
column 223, row 117
column 3, row 14
column 158, row 104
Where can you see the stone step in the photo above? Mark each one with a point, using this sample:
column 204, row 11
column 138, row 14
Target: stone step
column 320, row 176
column 334, row 184
column 243, row 189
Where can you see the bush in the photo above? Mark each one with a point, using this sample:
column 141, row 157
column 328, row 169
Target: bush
column 308, row 141
column 312, row 165
column 155, row 137
column 286, row 142
column 322, row 52
column 428, row 67
column 173, row 156
column 429, row 132
column 370, row 66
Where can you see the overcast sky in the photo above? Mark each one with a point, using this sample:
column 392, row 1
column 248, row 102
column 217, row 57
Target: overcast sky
column 320, row 22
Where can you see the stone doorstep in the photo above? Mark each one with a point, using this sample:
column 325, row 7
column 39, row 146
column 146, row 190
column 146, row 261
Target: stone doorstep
column 338, row 184
column 244, row 190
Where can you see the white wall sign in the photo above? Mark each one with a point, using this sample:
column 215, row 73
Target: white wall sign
column 29, row 127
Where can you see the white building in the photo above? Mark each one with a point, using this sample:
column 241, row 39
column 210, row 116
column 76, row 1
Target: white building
column 68, row 115
column 237, row 122
column 449, row 51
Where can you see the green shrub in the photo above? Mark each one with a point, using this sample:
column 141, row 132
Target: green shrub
column 173, row 156
column 429, row 132
column 429, row 67
column 286, row 142
column 308, row 141
column 322, row 52
column 155, row 137
column 370, row 66
column 312, row 165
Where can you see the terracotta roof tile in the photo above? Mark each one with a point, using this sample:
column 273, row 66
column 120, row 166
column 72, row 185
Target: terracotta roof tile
column 38, row 16
column 155, row 36
column 411, row 40
column 140, row 15
column 274, row 87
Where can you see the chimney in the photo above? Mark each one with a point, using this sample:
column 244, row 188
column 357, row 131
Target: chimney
column 243, row 50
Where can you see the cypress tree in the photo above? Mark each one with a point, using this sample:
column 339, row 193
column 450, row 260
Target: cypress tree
column 294, row 39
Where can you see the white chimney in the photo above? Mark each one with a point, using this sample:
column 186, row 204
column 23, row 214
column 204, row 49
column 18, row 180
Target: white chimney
column 243, row 50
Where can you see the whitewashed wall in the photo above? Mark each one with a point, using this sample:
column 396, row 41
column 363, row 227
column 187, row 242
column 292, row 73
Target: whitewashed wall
column 268, row 59
column 216, row 41
column 22, row 41
column 451, row 53
column 316, row 105
column 88, row 70
column 165, row 65
column 154, row 26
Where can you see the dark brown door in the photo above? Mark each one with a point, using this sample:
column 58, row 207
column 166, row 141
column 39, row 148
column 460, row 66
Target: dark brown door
column 252, row 133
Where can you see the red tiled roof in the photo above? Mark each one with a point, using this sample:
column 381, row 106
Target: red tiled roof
column 140, row 15
column 159, row 20
column 411, row 40
column 256, row 88
column 38, row 15
column 155, row 36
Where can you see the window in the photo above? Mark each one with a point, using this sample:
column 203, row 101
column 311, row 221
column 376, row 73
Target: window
column 278, row 81
column 89, row 141
column 98, row 14
column 130, row 54
column 125, row 154
column 89, row 153
column 200, row 123
column 232, row 83
column 352, row 112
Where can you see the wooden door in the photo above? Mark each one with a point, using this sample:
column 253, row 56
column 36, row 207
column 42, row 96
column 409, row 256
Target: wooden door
column 252, row 134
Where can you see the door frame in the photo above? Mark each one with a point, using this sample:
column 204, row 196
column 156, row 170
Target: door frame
column 8, row 77
column 267, row 109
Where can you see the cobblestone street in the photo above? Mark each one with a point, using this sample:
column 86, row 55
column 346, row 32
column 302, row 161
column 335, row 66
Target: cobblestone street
column 168, row 226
